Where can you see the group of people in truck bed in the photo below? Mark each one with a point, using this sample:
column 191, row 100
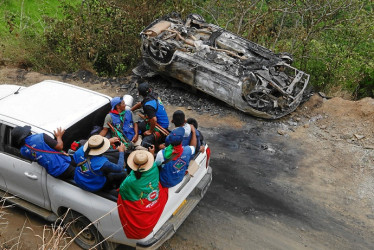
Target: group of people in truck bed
column 142, row 184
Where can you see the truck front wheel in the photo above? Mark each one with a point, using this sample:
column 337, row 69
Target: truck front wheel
column 83, row 231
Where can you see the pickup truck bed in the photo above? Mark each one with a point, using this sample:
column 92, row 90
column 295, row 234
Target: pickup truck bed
column 48, row 105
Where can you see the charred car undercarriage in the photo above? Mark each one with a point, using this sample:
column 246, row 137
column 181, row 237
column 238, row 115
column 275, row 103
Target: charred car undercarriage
column 237, row 71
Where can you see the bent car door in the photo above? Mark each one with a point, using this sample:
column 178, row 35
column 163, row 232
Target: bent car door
column 23, row 178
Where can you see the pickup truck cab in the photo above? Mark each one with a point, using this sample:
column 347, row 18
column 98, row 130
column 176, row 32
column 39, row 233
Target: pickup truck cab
column 90, row 217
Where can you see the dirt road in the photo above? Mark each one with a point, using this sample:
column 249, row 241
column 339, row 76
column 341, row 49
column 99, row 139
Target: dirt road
column 303, row 182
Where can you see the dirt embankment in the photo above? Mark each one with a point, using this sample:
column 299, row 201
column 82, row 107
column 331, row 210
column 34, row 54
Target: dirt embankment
column 339, row 172
column 331, row 183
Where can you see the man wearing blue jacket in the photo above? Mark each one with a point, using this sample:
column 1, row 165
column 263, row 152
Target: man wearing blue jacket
column 173, row 160
column 155, row 112
column 179, row 120
column 121, row 119
column 44, row 150
column 94, row 172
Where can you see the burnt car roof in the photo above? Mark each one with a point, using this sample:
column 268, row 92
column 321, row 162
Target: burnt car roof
column 220, row 63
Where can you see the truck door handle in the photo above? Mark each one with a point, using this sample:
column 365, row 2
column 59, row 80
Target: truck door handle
column 31, row 176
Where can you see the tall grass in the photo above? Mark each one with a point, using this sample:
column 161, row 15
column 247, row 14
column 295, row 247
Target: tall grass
column 3, row 221
column 22, row 25
column 27, row 16
column 52, row 237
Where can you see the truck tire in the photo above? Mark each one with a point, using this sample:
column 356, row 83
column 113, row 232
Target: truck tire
column 85, row 233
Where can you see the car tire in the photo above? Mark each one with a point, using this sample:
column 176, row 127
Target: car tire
column 88, row 238
column 259, row 100
column 160, row 51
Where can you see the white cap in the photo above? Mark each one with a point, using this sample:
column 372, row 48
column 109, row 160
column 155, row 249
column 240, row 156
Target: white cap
column 128, row 101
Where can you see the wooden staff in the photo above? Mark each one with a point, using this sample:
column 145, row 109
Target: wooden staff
column 121, row 136
column 158, row 126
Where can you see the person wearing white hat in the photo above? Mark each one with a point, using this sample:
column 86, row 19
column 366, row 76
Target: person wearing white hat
column 94, row 171
column 141, row 198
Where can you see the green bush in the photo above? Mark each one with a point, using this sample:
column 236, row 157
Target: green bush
column 22, row 25
column 332, row 40
column 102, row 36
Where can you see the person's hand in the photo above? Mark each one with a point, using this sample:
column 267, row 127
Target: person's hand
column 122, row 147
column 148, row 132
column 161, row 146
column 113, row 140
column 135, row 138
column 202, row 149
column 59, row 132
column 152, row 149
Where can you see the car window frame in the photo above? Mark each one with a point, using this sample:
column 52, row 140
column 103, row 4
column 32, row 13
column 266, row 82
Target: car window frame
column 6, row 141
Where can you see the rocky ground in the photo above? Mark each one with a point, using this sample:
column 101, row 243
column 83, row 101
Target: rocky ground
column 303, row 181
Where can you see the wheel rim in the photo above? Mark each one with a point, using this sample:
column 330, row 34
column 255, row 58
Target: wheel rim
column 258, row 100
column 160, row 51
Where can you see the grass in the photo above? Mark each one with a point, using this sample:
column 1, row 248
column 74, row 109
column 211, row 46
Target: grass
column 22, row 24
column 3, row 221
column 52, row 237
column 27, row 15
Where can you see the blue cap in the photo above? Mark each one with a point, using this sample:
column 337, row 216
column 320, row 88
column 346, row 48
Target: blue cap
column 175, row 137
column 115, row 101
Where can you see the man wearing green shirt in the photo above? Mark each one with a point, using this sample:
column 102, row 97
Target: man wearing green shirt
column 141, row 198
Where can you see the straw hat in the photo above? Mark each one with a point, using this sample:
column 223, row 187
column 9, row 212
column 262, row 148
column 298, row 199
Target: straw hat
column 96, row 145
column 140, row 159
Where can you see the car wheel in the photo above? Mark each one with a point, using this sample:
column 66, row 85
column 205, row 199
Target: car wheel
column 85, row 233
column 160, row 51
column 259, row 100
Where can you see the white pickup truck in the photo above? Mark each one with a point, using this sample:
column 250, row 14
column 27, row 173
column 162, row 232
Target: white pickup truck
column 51, row 104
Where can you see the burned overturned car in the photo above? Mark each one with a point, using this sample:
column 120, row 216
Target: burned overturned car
column 237, row 71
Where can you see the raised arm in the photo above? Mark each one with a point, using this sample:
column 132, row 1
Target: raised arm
column 193, row 141
column 58, row 134
column 136, row 106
